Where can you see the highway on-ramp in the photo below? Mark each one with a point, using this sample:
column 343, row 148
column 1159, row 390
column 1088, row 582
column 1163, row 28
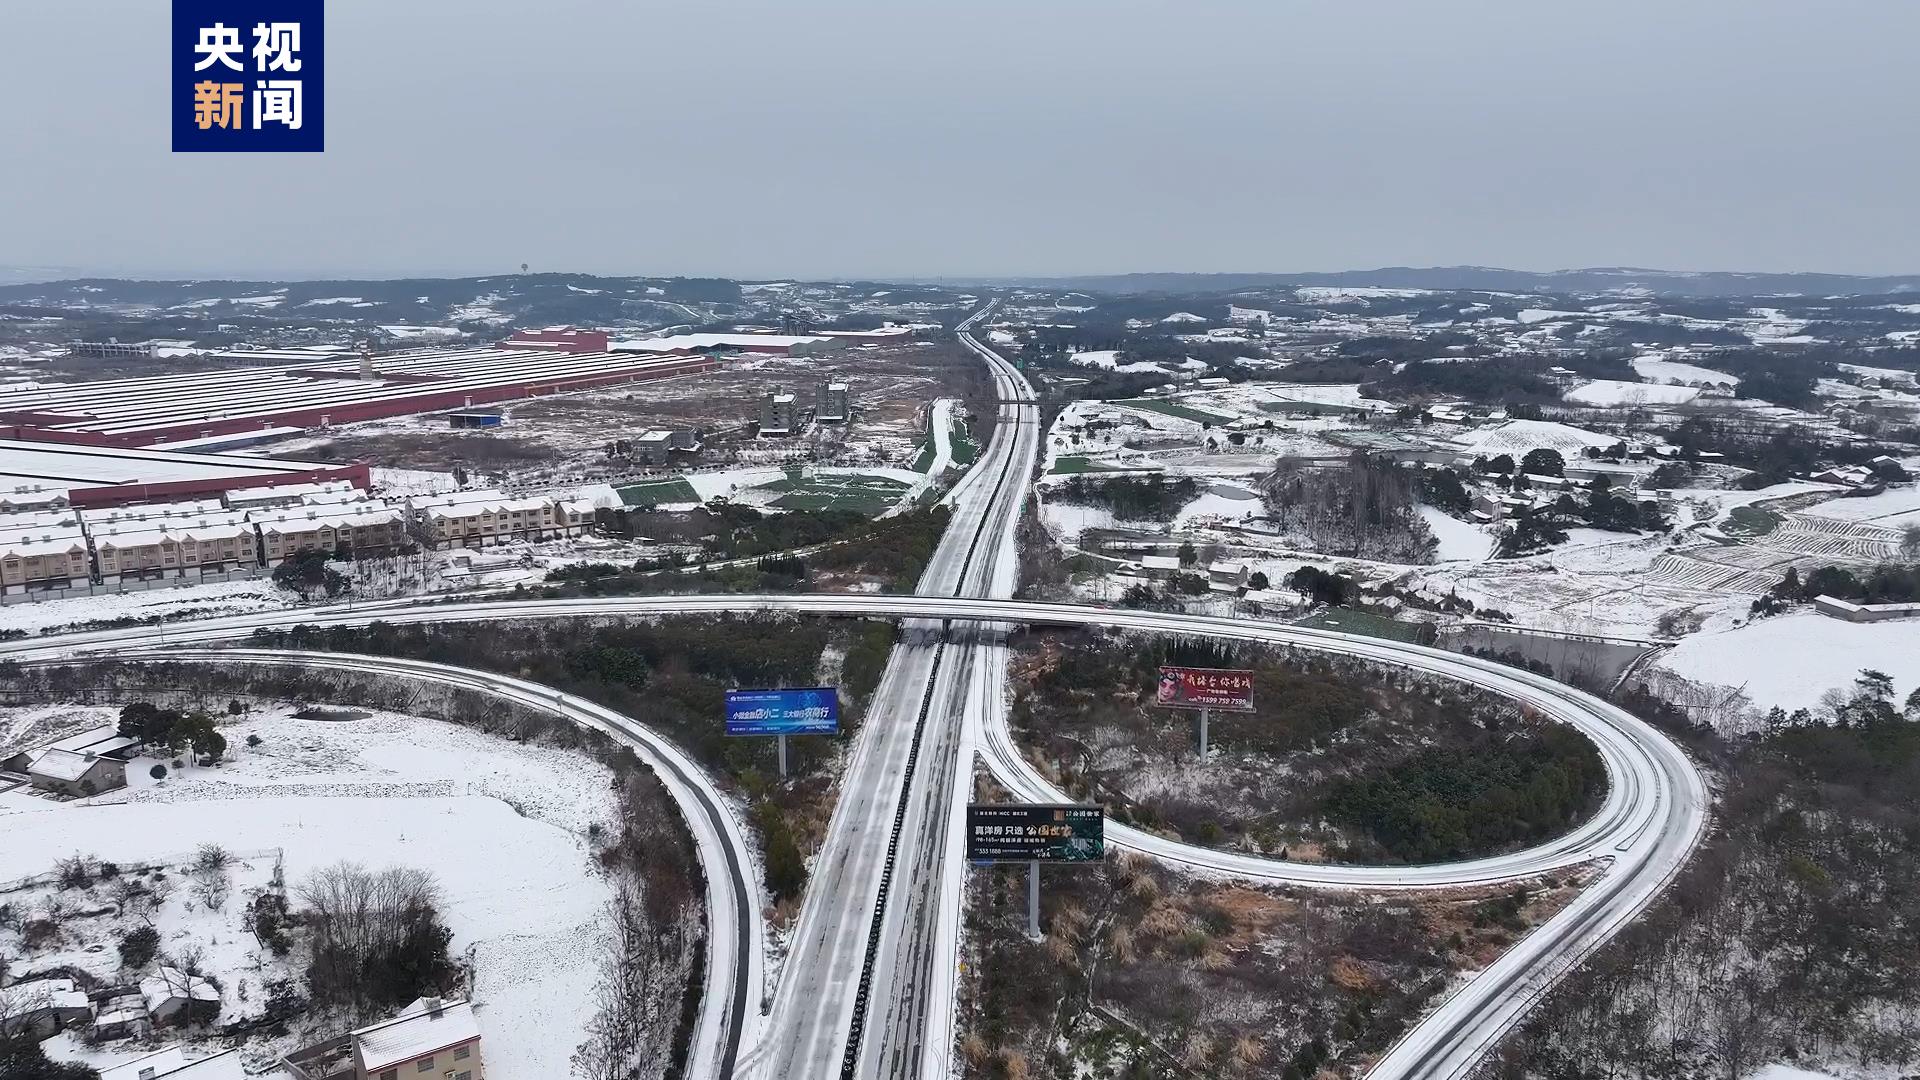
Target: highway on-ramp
column 868, row 986
column 1653, row 816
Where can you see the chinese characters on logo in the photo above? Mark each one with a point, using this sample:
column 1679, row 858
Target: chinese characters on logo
column 229, row 96
column 275, row 101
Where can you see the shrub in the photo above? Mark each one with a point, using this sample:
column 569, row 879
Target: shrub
column 37, row 932
column 75, row 871
column 138, row 946
column 158, row 772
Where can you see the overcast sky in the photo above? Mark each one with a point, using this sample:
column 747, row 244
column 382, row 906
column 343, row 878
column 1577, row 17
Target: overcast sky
column 896, row 138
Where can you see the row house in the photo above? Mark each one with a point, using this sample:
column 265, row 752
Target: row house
column 369, row 528
column 171, row 545
column 327, row 491
column 483, row 517
column 42, row 550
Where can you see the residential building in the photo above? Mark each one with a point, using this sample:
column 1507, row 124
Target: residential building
column 1837, row 608
column 1229, row 575
column 170, row 1063
column 832, row 403
column 105, row 740
column 174, row 997
column 42, row 549
column 369, row 527
column 482, row 517
column 120, row 1015
column 430, row 1037
column 21, row 497
column 171, row 543
column 78, row 774
column 41, row 1007
column 1161, row 566
column 779, row 415
column 326, row 491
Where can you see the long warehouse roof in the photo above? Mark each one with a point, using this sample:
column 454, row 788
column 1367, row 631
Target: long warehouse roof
column 129, row 407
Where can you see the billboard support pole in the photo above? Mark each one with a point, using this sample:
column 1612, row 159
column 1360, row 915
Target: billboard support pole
column 1203, row 736
column 1033, row 902
column 783, row 755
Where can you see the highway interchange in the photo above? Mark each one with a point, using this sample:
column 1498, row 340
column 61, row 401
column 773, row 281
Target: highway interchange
column 868, row 986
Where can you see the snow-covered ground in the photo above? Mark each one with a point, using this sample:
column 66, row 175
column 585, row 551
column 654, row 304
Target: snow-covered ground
column 1227, row 502
column 216, row 598
column 1459, row 540
column 501, row 825
column 1790, row 660
column 1529, row 316
column 1109, row 360
column 1605, row 392
column 1353, row 292
column 1790, row 1072
column 1516, row 437
column 1895, row 507
column 1066, row 521
column 397, row 482
column 1895, row 374
column 1653, row 368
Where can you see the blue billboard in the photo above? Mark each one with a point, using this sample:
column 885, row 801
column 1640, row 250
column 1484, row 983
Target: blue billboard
column 809, row 711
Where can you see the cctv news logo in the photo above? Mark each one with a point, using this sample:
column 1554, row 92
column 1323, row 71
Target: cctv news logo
column 247, row 76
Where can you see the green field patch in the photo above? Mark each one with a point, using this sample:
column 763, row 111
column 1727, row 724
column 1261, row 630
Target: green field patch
column 656, row 492
column 1364, row 622
column 858, row 492
column 1070, row 464
column 1169, row 408
column 964, row 451
column 1751, row 521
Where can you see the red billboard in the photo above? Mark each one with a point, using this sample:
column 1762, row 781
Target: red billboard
column 1205, row 688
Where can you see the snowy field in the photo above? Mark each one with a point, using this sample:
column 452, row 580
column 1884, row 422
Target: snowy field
column 1790, row 660
column 217, row 598
column 1516, row 437
column 1109, row 360
column 1220, row 502
column 1655, row 369
column 1460, row 541
column 1067, row 521
column 1895, row 507
column 1606, row 392
column 501, row 825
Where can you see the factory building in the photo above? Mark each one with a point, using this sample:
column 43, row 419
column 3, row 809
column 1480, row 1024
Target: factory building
column 104, row 476
column 560, row 339
column 185, row 412
column 653, row 447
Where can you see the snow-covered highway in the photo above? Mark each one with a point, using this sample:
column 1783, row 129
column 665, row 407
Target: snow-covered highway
column 868, row 987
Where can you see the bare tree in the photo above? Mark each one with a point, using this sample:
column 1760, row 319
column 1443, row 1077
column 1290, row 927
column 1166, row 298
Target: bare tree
column 375, row 935
column 641, row 973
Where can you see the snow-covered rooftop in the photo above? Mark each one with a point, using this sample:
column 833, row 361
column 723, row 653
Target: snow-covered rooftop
column 170, row 1063
column 424, row 1027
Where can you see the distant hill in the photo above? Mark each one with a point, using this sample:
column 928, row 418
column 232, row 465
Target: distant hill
column 1495, row 279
